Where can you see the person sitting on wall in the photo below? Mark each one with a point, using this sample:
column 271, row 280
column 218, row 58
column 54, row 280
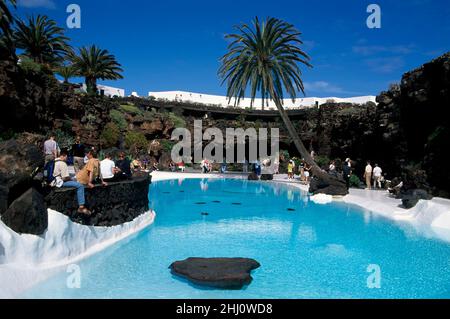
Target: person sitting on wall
column 108, row 169
column 123, row 166
column 91, row 172
column 61, row 174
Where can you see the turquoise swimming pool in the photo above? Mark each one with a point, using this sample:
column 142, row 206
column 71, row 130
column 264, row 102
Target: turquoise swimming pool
column 305, row 250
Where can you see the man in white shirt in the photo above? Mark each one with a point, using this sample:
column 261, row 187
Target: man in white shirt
column 108, row 169
column 377, row 172
column 368, row 175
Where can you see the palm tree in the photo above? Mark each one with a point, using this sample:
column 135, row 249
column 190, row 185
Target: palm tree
column 266, row 58
column 6, row 20
column 42, row 40
column 94, row 63
column 67, row 72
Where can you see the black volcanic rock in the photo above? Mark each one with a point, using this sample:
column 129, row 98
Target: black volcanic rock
column 331, row 186
column 18, row 160
column 27, row 214
column 223, row 273
column 411, row 198
column 113, row 205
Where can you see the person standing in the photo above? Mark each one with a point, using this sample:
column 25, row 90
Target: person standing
column 78, row 152
column 346, row 172
column 368, row 175
column 50, row 149
column 61, row 171
column 377, row 174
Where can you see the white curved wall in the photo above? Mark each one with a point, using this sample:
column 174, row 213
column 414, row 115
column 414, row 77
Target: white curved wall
column 245, row 103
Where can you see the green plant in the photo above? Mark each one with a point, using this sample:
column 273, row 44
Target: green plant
column 42, row 40
column 167, row 145
column 119, row 119
column 322, row 161
column 178, row 121
column 64, row 139
column 135, row 141
column 355, row 181
column 131, row 109
column 110, row 135
column 29, row 66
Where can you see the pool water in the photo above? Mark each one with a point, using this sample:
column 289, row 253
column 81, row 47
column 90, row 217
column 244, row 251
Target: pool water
column 305, row 250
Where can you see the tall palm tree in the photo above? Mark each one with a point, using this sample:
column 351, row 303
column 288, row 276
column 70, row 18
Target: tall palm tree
column 42, row 40
column 67, row 72
column 94, row 63
column 6, row 20
column 266, row 59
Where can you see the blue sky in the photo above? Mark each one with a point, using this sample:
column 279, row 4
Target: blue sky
column 176, row 45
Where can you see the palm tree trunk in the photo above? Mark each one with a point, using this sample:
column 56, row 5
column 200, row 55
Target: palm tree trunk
column 324, row 178
column 298, row 143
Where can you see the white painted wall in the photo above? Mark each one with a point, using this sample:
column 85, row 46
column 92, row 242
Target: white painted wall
column 223, row 101
column 108, row 90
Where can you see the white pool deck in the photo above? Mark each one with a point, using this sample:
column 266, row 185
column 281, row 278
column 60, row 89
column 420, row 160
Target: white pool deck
column 26, row 260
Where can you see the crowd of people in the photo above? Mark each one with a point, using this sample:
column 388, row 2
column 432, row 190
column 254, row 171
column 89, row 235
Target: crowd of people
column 89, row 170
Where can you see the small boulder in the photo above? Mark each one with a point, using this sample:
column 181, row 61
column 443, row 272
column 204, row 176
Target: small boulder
column 223, row 273
column 411, row 198
column 27, row 214
column 267, row 177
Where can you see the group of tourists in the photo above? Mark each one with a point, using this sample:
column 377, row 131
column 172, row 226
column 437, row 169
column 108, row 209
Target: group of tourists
column 89, row 170
column 304, row 171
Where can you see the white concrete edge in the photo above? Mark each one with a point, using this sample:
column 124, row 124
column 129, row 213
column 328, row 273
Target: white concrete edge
column 30, row 259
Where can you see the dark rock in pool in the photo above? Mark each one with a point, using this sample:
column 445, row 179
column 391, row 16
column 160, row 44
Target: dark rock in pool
column 291, row 209
column 223, row 273
column 216, row 201
column 205, row 214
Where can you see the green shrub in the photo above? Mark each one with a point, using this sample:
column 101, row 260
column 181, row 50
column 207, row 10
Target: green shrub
column 167, row 145
column 131, row 109
column 65, row 140
column 355, row 181
column 110, row 135
column 119, row 119
column 322, row 161
column 136, row 141
column 29, row 66
column 178, row 121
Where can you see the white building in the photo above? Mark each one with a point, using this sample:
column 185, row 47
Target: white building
column 108, row 90
column 223, row 101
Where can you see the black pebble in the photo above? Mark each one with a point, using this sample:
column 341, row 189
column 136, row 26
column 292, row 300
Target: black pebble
column 291, row 209
column 205, row 214
column 200, row 203
column 216, row 201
